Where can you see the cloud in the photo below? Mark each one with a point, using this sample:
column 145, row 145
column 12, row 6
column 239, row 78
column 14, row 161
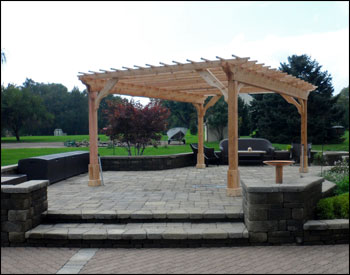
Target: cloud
column 330, row 49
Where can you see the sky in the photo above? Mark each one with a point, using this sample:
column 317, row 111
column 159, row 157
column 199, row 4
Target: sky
column 51, row 42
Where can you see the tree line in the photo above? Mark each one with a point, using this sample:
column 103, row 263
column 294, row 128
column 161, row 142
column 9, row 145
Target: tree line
column 39, row 108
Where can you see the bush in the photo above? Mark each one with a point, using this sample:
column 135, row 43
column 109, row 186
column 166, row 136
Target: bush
column 336, row 207
column 339, row 174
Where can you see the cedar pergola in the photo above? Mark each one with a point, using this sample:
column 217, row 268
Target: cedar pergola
column 194, row 82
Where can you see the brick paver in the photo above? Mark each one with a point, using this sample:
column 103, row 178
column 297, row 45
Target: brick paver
column 34, row 260
column 185, row 188
column 327, row 259
column 236, row 260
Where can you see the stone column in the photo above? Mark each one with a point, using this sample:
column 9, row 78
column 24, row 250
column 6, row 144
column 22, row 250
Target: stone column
column 22, row 206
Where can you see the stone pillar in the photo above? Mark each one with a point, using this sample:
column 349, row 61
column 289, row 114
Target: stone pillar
column 94, row 169
column 21, row 208
column 276, row 213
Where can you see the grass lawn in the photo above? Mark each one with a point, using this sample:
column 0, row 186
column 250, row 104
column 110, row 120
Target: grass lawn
column 11, row 156
column 50, row 138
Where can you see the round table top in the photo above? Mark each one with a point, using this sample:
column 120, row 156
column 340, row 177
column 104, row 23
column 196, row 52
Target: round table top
column 278, row 162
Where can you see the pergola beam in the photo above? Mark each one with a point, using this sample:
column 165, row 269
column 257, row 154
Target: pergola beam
column 153, row 92
column 255, row 79
column 164, row 69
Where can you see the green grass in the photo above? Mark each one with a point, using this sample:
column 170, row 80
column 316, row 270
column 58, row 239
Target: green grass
column 11, row 156
column 50, row 138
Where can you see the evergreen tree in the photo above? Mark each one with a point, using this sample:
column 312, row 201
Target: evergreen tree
column 343, row 103
column 278, row 121
column 182, row 115
column 217, row 117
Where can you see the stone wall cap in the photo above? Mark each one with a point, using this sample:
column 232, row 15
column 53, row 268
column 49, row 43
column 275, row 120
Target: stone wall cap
column 147, row 157
column 9, row 168
column 296, row 185
column 25, row 187
column 326, row 224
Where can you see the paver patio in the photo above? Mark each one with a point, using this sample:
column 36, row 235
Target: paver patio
column 187, row 189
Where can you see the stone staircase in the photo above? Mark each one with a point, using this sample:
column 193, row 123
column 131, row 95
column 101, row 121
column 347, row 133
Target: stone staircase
column 139, row 229
column 13, row 179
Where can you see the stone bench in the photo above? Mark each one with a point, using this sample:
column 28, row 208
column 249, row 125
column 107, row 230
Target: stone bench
column 55, row 167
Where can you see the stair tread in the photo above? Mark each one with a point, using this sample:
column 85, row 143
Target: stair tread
column 13, row 179
column 236, row 213
column 134, row 231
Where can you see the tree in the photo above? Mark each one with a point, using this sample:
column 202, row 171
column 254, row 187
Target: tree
column 343, row 103
column 182, row 115
column 20, row 108
column 275, row 119
column 136, row 125
column 217, row 117
column 69, row 109
column 102, row 118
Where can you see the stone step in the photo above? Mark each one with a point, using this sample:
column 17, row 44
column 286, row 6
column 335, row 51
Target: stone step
column 125, row 216
column 138, row 234
column 13, row 179
column 328, row 189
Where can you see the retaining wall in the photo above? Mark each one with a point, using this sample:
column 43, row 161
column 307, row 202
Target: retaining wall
column 143, row 163
column 276, row 213
column 326, row 232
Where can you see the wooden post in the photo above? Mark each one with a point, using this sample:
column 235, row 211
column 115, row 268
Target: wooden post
column 233, row 181
column 94, row 169
column 305, row 167
column 200, row 154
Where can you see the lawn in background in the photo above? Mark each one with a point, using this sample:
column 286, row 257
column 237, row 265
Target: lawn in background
column 50, row 138
column 11, row 156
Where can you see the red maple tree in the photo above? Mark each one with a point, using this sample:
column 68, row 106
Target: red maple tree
column 135, row 125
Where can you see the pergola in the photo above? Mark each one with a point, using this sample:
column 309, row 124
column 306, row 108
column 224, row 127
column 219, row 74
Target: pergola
column 194, row 82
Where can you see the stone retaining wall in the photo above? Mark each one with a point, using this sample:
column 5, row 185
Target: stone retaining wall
column 276, row 213
column 21, row 209
column 143, row 163
column 326, row 231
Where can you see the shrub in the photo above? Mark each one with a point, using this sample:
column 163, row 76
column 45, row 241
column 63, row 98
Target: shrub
column 336, row 207
column 325, row 209
column 342, row 186
column 339, row 174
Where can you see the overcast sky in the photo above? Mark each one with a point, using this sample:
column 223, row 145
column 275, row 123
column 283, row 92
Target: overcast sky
column 51, row 42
